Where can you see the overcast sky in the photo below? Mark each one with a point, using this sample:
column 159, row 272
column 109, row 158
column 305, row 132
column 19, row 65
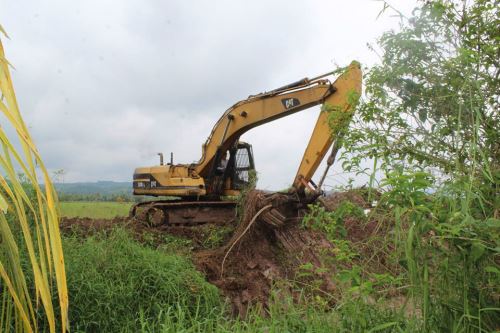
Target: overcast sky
column 104, row 85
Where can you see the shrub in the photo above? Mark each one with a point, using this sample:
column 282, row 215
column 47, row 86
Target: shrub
column 115, row 284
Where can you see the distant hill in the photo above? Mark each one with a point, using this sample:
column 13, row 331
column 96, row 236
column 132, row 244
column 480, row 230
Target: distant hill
column 101, row 187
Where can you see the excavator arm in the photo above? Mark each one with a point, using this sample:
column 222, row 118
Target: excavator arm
column 327, row 128
column 266, row 107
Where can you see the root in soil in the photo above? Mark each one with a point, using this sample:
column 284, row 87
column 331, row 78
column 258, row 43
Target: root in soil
column 262, row 252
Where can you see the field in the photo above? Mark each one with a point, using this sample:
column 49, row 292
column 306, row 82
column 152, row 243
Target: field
column 94, row 209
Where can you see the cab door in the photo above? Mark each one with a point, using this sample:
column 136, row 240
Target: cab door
column 243, row 165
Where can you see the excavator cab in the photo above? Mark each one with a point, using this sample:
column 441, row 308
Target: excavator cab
column 233, row 174
column 241, row 165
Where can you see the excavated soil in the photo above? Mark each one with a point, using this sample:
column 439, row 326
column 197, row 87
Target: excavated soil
column 85, row 227
column 261, row 251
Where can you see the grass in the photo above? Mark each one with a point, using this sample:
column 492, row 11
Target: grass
column 116, row 283
column 94, row 209
column 285, row 316
column 119, row 285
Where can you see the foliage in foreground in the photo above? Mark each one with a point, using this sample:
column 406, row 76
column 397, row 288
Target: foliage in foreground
column 284, row 315
column 115, row 284
column 30, row 244
column 449, row 253
column 429, row 124
column 119, row 285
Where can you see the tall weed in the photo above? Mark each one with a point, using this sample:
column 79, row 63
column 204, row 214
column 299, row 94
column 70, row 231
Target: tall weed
column 116, row 284
column 450, row 252
column 33, row 281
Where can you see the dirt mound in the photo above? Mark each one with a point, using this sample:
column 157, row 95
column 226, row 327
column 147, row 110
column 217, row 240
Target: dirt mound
column 261, row 253
column 85, row 227
column 359, row 197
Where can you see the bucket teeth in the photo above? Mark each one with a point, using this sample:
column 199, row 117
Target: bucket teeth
column 274, row 218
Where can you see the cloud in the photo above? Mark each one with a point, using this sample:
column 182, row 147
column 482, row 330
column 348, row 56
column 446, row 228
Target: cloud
column 105, row 85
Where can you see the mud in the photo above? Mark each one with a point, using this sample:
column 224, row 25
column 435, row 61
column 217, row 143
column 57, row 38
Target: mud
column 260, row 253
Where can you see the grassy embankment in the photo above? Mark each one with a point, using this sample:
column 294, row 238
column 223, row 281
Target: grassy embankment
column 120, row 285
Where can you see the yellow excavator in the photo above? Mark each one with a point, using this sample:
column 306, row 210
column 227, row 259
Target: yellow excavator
column 201, row 192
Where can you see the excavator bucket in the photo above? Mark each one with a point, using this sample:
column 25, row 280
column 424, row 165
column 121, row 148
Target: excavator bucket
column 279, row 209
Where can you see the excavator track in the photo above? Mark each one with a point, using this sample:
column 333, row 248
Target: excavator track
column 183, row 213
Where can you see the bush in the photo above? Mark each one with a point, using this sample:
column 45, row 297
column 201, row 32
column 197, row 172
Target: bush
column 115, row 284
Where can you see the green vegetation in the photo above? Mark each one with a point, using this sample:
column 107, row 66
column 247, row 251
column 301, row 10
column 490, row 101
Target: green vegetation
column 116, row 284
column 97, row 191
column 119, row 285
column 104, row 188
column 425, row 249
column 429, row 122
column 285, row 315
column 32, row 276
column 215, row 235
column 331, row 222
column 425, row 258
column 95, row 209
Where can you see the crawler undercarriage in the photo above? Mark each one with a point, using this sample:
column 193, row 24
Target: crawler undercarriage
column 184, row 213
